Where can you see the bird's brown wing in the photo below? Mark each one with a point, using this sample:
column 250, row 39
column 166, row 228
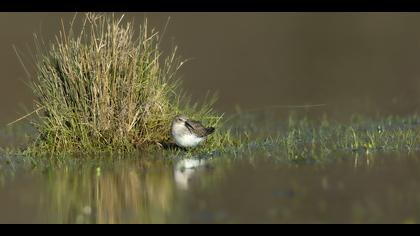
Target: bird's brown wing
column 197, row 128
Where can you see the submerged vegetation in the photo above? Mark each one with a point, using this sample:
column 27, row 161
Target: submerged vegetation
column 298, row 138
column 294, row 138
column 109, row 87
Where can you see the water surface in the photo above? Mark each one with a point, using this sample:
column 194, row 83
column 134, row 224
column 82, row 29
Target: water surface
column 352, row 62
column 347, row 189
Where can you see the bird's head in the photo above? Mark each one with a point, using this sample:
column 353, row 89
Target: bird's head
column 180, row 119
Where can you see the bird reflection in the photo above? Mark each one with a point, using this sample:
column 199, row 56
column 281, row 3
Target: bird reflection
column 185, row 170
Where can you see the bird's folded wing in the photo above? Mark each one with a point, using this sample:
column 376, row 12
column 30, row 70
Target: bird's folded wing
column 196, row 127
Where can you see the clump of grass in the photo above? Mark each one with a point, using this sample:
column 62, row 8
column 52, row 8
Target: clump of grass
column 108, row 87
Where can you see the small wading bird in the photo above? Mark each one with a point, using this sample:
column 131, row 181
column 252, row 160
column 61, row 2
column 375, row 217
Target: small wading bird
column 189, row 133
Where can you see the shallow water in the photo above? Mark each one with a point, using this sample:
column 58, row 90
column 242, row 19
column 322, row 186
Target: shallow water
column 351, row 62
column 358, row 189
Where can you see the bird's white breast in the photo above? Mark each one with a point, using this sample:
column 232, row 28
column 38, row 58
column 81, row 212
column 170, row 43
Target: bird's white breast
column 187, row 140
column 184, row 138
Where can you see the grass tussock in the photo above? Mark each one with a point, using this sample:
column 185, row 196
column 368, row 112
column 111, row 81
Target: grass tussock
column 109, row 87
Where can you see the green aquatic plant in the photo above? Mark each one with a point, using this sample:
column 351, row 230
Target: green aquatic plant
column 108, row 86
column 297, row 138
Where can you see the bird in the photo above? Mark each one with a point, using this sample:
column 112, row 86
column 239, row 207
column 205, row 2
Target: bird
column 189, row 133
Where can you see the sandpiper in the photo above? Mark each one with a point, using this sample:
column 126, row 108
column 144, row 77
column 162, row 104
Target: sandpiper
column 189, row 133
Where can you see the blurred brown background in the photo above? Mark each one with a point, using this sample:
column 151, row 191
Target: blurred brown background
column 261, row 59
